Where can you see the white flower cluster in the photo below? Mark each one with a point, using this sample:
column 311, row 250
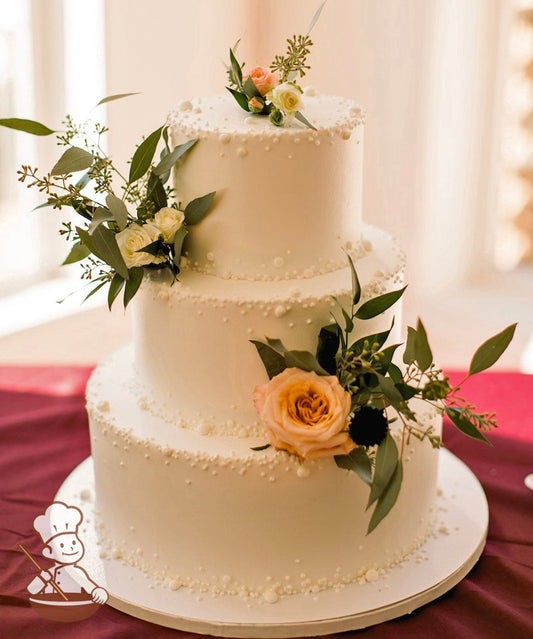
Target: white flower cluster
column 165, row 224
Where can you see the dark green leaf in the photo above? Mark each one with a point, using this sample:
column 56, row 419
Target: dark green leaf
column 327, row 348
column 114, row 289
column 387, row 498
column 409, row 354
column 277, row 344
column 464, row 424
column 118, row 210
column 178, row 244
column 348, row 322
column 95, row 290
column 385, row 358
column 73, row 159
column 377, row 338
column 389, row 389
column 236, row 70
column 77, row 253
column 300, row 116
column 407, row 391
column 152, row 249
column 356, row 287
column 104, row 245
column 490, row 351
column 250, row 89
column 424, row 356
column 28, row 126
column 379, row 304
column 358, row 462
column 100, row 215
column 304, row 360
column 274, row 362
column 117, row 96
column 197, row 209
column 240, row 98
column 155, row 191
column 143, row 156
column 386, row 462
column 133, row 283
column 169, row 160
column 395, row 373
column 264, row 447
column 43, row 206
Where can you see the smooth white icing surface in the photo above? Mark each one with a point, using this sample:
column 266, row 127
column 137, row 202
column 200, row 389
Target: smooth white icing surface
column 195, row 364
column 211, row 514
column 287, row 197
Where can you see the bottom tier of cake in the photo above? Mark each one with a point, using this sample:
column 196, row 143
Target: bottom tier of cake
column 211, row 514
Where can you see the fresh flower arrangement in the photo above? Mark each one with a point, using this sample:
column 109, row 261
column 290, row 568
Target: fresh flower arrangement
column 341, row 400
column 125, row 231
column 273, row 90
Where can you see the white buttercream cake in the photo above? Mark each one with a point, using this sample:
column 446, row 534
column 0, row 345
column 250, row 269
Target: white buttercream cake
column 180, row 493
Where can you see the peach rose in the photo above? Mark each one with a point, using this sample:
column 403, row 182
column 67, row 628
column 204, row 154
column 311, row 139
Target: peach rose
column 263, row 79
column 305, row 413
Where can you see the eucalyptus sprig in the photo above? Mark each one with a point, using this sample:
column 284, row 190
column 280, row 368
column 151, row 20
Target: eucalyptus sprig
column 112, row 213
column 293, row 63
column 382, row 392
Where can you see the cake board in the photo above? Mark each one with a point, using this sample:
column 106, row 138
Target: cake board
column 445, row 558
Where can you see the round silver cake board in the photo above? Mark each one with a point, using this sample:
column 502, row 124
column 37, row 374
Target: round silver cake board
column 444, row 559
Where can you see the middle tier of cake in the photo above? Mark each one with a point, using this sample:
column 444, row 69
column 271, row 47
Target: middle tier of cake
column 194, row 362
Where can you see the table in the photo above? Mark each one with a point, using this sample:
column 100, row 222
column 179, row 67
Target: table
column 43, row 436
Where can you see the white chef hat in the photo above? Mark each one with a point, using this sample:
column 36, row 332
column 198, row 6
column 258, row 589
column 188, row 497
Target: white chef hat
column 57, row 519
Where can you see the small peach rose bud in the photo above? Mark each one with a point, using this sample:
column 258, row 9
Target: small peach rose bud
column 256, row 104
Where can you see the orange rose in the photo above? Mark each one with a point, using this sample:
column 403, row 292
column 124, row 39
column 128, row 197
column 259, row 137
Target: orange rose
column 263, row 79
column 305, row 413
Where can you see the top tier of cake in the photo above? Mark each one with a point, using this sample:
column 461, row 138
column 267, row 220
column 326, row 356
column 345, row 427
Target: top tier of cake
column 288, row 198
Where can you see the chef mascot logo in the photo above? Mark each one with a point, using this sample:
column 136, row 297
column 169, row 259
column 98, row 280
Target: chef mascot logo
column 63, row 592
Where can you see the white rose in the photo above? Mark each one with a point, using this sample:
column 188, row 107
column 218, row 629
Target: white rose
column 168, row 221
column 135, row 237
column 287, row 98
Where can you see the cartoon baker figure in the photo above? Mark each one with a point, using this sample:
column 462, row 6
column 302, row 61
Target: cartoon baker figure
column 58, row 528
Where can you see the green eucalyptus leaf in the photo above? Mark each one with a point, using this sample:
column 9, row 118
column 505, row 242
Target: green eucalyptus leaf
column 274, row 362
column 327, row 348
column 407, row 392
column 197, row 209
column 395, row 374
column 100, row 215
column 114, row 289
column 155, row 191
column 250, row 89
column 315, row 17
column 386, row 462
column 83, row 181
column 44, row 205
column 143, row 156
column 73, row 159
column 104, row 245
column 132, row 285
column 424, row 356
column 27, row 126
column 152, row 249
column 464, row 424
column 490, row 351
column 300, row 116
column 357, row 461
column 118, row 210
column 304, row 360
column 171, row 158
column 77, row 253
column 379, row 304
column 409, row 354
column 389, row 389
column 387, row 498
column 117, row 96
column 382, row 364
column 178, row 244
column 240, row 98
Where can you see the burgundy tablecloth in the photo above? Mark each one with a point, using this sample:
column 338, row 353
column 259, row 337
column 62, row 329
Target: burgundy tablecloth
column 43, row 436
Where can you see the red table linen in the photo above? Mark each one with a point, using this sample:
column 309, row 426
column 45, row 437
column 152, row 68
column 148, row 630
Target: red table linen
column 43, row 436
